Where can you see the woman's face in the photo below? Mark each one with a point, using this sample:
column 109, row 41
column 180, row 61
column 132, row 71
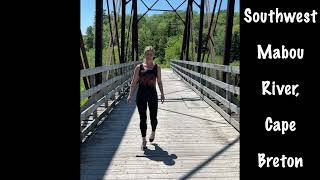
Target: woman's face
column 149, row 55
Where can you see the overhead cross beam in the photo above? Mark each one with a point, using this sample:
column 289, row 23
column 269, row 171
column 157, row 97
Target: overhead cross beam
column 165, row 10
column 149, row 8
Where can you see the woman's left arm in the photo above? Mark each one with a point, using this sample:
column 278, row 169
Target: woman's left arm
column 160, row 82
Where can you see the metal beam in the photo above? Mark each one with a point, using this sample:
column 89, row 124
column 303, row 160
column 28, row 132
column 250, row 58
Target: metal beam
column 112, row 38
column 211, row 45
column 84, row 62
column 170, row 5
column 145, row 4
column 181, row 4
column 192, row 36
column 98, row 39
column 83, row 52
column 164, row 10
column 149, row 8
column 128, row 36
column 183, row 47
column 200, row 34
column 228, row 35
column 116, row 24
column 123, row 31
column 188, row 32
column 197, row 4
column 135, row 32
column 227, row 46
column 174, row 10
column 210, row 25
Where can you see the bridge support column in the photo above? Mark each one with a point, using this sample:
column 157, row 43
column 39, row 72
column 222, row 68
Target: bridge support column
column 199, row 53
column 228, row 35
column 98, row 39
column 227, row 45
column 185, row 42
column 135, row 52
column 200, row 35
column 123, row 26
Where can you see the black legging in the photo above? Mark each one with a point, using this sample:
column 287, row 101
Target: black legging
column 145, row 96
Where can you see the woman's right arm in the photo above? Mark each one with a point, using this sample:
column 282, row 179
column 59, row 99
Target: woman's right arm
column 134, row 80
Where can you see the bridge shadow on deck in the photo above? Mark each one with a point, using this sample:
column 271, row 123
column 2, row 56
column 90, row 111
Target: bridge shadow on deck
column 184, row 114
column 211, row 158
column 97, row 152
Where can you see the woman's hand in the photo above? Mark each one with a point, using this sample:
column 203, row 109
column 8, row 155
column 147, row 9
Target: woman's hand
column 162, row 98
column 129, row 99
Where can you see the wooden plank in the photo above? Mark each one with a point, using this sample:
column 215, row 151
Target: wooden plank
column 224, row 68
column 100, row 69
column 97, row 104
column 225, row 102
column 85, row 132
column 95, row 89
column 226, row 116
column 215, row 95
column 102, row 93
column 228, row 87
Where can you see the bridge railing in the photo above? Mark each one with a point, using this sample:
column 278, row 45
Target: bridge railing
column 218, row 94
column 116, row 81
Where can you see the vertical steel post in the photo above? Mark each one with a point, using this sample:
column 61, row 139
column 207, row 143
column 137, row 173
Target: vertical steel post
column 84, row 62
column 123, row 26
column 98, row 40
column 228, row 35
column 135, row 53
column 227, row 45
column 200, row 34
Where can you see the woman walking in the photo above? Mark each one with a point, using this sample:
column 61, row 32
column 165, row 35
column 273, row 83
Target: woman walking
column 147, row 74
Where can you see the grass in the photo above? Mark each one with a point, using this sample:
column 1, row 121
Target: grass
column 91, row 56
column 82, row 88
column 235, row 63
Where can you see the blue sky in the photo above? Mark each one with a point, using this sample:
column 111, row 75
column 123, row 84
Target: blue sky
column 87, row 8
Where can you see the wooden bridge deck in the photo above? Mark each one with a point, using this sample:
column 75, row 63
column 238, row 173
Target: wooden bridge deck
column 192, row 141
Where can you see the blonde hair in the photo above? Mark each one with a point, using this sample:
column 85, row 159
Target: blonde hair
column 148, row 48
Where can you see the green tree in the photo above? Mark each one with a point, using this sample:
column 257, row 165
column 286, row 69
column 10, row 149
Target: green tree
column 173, row 48
column 235, row 47
column 89, row 38
column 165, row 33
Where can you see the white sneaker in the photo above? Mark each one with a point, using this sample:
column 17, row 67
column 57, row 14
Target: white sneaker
column 151, row 138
